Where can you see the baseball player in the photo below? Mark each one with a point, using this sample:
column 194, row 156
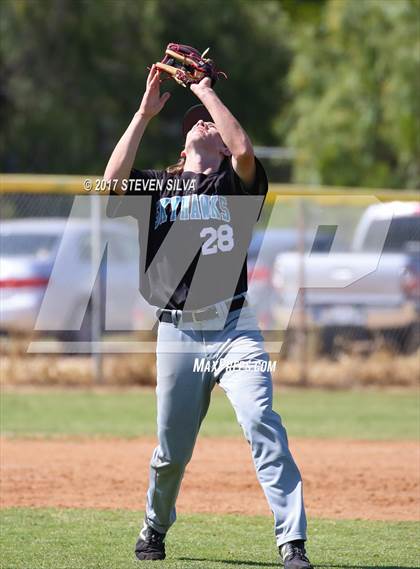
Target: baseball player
column 194, row 229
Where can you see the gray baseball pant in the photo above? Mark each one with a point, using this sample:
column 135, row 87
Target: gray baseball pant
column 183, row 397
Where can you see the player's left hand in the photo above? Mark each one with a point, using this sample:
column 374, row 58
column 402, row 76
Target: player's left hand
column 201, row 88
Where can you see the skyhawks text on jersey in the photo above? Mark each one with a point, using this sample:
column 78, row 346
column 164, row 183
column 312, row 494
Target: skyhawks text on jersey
column 191, row 207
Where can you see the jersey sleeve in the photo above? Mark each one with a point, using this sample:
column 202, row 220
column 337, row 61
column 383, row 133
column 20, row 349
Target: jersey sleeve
column 260, row 185
column 139, row 184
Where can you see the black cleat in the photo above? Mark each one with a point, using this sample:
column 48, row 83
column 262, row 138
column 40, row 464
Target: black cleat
column 150, row 545
column 294, row 555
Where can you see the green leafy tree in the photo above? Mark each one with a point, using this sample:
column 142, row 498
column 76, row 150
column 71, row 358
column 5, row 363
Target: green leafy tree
column 354, row 84
column 74, row 73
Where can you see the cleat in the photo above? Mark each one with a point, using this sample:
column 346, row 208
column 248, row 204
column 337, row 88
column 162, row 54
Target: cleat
column 293, row 555
column 150, row 545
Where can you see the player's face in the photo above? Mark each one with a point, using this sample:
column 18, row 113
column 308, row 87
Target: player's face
column 205, row 137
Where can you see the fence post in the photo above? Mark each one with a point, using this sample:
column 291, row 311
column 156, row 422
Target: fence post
column 95, row 219
column 302, row 320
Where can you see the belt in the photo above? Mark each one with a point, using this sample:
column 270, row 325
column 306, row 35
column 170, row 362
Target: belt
column 203, row 313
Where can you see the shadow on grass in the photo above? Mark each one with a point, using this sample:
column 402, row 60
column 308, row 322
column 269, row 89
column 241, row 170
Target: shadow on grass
column 362, row 566
column 231, row 562
column 262, row 564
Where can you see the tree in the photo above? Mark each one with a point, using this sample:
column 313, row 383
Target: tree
column 354, row 84
column 74, row 73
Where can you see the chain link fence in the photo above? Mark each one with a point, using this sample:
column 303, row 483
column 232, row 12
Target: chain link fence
column 333, row 276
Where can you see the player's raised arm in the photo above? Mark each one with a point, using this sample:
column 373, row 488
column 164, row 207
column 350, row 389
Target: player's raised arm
column 122, row 158
column 233, row 135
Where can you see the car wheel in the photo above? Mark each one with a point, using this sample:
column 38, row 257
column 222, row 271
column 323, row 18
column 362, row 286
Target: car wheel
column 411, row 341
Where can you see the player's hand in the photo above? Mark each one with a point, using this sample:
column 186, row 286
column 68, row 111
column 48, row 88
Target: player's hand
column 202, row 88
column 153, row 102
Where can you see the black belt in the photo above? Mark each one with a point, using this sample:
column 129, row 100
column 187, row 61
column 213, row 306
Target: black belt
column 203, row 314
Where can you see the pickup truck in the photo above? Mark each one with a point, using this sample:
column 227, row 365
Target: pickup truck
column 365, row 293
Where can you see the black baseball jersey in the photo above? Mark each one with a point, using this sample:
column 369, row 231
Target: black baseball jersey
column 194, row 232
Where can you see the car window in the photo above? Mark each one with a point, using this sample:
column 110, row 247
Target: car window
column 27, row 244
column 401, row 231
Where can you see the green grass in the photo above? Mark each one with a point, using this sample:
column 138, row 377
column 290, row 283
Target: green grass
column 311, row 413
column 92, row 539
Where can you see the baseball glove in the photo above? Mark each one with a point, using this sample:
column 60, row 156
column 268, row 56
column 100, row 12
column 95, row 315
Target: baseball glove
column 186, row 65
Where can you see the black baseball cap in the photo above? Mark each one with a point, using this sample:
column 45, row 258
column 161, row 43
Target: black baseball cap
column 193, row 115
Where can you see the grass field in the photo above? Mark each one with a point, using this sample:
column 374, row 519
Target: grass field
column 96, row 539
column 88, row 539
column 354, row 414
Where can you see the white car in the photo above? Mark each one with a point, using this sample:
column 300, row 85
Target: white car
column 362, row 293
column 33, row 250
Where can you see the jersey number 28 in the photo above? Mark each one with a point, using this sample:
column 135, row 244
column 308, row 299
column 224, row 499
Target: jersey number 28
column 220, row 239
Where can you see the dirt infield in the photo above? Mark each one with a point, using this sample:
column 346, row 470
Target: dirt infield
column 343, row 479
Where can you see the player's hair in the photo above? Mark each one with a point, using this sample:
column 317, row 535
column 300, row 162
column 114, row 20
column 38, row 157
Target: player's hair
column 177, row 168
